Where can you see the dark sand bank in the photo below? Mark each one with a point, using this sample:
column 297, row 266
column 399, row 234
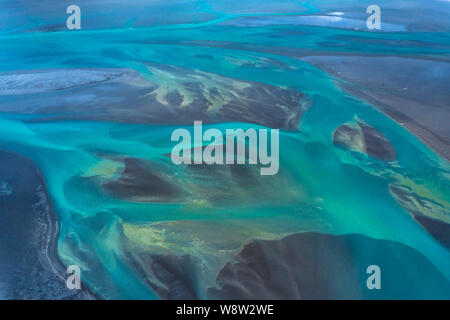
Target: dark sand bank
column 142, row 184
column 170, row 277
column 430, row 214
column 323, row 266
column 171, row 95
column 438, row 229
column 358, row 136
column 299, row 266
column 30, row 267
column 413, row 92
column 218, row 185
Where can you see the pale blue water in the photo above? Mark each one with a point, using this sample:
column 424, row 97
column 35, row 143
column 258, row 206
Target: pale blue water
column 354, row 192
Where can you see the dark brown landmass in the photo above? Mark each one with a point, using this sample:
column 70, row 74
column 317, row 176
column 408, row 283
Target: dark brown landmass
column 217, row 184
column 438, row 229
column 143, row 184
column 358, row 136
column 170, row 277
column 299, row 266
column 323, row 266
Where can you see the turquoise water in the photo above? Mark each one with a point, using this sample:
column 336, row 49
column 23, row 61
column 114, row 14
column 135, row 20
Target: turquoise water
column 327, row 188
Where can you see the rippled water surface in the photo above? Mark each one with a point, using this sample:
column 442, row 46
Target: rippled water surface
column 76, row 104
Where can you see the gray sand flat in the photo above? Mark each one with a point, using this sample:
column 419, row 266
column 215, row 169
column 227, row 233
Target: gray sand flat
column 414, row 92
column 30, row 268
column 171, row 95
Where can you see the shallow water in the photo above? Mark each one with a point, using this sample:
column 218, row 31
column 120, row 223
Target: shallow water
column 326, row 189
